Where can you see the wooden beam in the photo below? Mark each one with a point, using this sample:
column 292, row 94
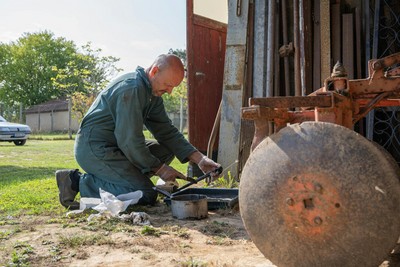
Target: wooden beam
column 325, row 39
column 317, row 83
column 336, row 34
column 348, row 45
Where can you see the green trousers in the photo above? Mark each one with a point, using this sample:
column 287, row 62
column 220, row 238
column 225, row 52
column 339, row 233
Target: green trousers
column 107, row 168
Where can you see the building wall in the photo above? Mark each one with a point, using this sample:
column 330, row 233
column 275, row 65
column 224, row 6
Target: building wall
column 212, row 9
column 58, row 121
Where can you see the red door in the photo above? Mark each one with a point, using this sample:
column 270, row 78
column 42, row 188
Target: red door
column 206, row 39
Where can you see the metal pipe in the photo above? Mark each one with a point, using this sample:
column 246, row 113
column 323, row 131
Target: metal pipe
column 276, row 53
column 270, row 49
column 285, row 42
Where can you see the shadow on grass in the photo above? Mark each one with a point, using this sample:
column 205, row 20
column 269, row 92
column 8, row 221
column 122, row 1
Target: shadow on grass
column 10, row 174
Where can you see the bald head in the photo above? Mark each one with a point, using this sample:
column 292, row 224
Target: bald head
column 165, row 73
column 169, row 61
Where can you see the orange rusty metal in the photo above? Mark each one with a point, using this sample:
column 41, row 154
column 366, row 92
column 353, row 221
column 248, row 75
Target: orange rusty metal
column 310, row 203
column 340, row 101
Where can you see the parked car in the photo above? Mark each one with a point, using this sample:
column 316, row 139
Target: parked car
column 13, row 132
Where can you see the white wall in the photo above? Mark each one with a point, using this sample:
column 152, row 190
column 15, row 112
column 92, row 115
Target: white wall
column 213, row 9
column 60, row 121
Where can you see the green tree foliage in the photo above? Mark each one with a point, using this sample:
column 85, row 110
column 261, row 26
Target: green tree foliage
column 86, row 73
column 84, row 77
column 39, row 67
column 27, row 67
column 172, row 102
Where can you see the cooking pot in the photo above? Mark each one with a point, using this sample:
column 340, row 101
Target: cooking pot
column 189, row 206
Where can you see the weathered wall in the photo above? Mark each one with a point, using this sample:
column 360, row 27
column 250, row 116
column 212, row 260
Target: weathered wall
column 58, row 121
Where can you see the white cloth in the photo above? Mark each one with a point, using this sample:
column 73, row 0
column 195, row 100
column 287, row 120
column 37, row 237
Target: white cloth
column 108, row 203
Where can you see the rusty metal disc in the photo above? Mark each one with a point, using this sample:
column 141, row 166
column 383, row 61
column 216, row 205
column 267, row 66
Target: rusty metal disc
column 319, row 194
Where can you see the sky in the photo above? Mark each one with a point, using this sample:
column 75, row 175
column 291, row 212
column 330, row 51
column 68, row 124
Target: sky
column 136, row 31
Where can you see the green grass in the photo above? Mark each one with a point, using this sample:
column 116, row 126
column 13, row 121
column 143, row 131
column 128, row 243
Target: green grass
column 65, row 136
column 27, row 180
column 50, row 136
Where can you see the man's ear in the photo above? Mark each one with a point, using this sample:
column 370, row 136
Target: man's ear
column 153, row 71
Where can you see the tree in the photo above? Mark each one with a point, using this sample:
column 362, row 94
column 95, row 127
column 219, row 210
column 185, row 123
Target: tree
column 84, row 77
column 39, row 67
column 26, row 68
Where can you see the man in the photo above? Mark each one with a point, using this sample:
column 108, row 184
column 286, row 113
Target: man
column 111, row 148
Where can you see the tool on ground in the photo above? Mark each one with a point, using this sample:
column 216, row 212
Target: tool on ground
column 191, row 181
column 195, row 181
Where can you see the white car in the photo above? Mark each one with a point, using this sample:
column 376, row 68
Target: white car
column 13, row 132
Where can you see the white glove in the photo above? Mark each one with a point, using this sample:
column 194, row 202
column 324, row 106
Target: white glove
column 208, row 165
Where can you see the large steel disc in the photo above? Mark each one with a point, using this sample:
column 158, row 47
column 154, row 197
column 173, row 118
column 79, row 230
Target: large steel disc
column 319, row 194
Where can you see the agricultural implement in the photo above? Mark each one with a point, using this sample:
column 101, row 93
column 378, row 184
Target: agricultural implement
column 315, row 192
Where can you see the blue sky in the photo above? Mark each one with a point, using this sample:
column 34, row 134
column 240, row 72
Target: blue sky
column 136, row 31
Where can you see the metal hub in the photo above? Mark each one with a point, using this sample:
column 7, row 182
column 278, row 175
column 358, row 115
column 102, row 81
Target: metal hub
column 309, row 203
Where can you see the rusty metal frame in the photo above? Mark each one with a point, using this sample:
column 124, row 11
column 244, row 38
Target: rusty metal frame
column 340, row 101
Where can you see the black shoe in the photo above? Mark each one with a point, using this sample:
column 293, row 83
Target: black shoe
column 66, row 193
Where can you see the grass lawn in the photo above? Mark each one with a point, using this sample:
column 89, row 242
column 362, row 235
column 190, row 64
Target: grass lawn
column 27, row 180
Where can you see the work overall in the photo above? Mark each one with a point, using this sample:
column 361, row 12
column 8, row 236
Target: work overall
column 110, row 146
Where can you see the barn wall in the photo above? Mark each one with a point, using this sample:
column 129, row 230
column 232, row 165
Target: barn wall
column 60, row 122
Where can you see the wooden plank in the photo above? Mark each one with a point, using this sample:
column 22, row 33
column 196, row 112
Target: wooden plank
column 336, row 33
column 209, row 23
column 325, row 40
column 233, row 86
column 358, row 43
column 296, row 42
column 292, row 101
column 316, row 48
column 247, row 127
column 348, row 44
column 308, row 49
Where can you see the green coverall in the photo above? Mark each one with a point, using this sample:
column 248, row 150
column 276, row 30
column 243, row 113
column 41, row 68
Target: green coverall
column 110, row 146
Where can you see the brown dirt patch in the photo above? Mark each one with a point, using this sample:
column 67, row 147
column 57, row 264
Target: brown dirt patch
column 220, row 240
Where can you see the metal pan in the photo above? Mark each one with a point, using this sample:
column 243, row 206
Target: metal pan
column 189, row 206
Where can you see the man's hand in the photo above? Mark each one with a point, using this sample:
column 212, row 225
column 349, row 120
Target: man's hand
column 208, row 165
column 167, row 173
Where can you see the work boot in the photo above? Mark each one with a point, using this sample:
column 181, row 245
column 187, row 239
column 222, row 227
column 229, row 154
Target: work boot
column 66, row 193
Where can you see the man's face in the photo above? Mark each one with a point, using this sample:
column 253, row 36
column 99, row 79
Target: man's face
column 164, row 81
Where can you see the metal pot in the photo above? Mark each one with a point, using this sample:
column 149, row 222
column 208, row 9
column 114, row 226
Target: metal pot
column 190, row 206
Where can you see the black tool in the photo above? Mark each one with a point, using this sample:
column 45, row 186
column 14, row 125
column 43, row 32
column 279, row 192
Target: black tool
column 208, row 174
column 191, row 181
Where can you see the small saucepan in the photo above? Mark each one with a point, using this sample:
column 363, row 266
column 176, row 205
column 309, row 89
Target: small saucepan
column 188, row 206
